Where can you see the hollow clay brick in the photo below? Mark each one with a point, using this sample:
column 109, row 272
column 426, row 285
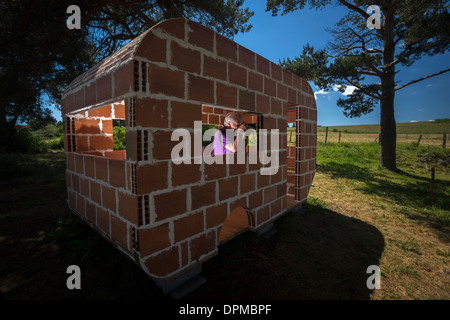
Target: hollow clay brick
column 215, row 215
column 202, row 245
column 154, row 239
column 276, row 71
column 201, row 36
column 163, row 263
column 188, row 226
column 184, row 114
column 255, row 81
column 185, row 59
column 178, row 72
column 215, row 68
column 119, row 232
column 237, row 75
column 103, row 220
column 226, row 48
column 124, row 79
column 203, row 195
column 184, row 174
column 104, row 88
column 152, row 113
column 226, row 95
column 151, row 177
column 154, row 50
column 95, row 192
column 200, row 89
column 228, row 188
column 128, row 207
column 170, row 204
column 246, row 57
column 109, row 198
column 165, row 81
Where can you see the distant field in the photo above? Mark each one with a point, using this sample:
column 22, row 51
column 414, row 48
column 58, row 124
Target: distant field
column 402, row 128
column 431, row 132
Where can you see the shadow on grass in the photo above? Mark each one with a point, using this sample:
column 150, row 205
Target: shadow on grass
column 315, row 254
column 39, row 239
column 405, row 189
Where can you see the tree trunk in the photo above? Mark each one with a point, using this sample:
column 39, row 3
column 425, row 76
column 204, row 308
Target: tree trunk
column 6, row 134
column 7, row 131
column 388, row 136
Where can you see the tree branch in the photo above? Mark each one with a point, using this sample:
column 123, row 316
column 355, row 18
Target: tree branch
column 361, row 87
column 355, row 8
column 421, row 79
column 367, row 73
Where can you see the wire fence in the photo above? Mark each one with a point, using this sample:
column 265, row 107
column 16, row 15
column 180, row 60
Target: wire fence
column 344, row 137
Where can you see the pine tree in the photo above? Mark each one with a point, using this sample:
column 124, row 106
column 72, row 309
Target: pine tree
column 40, row 55
column 366, row 56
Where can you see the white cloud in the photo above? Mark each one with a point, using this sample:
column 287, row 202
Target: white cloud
column 348, row 90
column 321, row 91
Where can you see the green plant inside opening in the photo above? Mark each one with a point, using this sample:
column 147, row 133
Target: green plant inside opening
column 119, row 134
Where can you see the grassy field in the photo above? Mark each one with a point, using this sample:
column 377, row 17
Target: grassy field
column 357, row 215
column 423, row 139
column 423, row 127
column 426, row 133
column 414, row 261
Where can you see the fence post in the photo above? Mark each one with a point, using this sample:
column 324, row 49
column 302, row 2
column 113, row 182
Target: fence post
column 444, row 140
column 326, row 136
column 420, row 138
column 432, row 185
column 339, row 137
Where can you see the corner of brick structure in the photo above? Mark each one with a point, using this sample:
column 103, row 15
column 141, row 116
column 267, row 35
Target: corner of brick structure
column 171, row 218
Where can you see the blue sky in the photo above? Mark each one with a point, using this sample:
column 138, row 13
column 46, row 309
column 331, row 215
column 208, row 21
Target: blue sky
column 282, row 37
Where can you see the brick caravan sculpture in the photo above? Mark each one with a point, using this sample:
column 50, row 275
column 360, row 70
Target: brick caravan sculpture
column 171, row 218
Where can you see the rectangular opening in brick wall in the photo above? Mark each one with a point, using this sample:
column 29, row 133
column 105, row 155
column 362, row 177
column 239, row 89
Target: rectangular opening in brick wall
column 99, row 131
column 119, row 134
column 294, row 154
column 213, row 117
column 291, row 158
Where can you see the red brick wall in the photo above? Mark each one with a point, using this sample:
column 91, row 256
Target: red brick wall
column 170, row 216
column 214, row 115
column 92, row 131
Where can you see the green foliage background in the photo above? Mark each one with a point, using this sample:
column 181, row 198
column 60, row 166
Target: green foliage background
column 119, row 138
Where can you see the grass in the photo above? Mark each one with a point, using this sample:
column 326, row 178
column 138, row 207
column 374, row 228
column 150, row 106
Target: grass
column 429, row 133
column 407, row 192
column 357, row 215
column 422, row 127
column 414, row 262
column 333, row 137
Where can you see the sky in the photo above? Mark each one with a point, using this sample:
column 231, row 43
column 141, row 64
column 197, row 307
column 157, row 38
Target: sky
column 277, row 38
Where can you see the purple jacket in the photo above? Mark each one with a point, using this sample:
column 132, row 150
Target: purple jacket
column 220, row 141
